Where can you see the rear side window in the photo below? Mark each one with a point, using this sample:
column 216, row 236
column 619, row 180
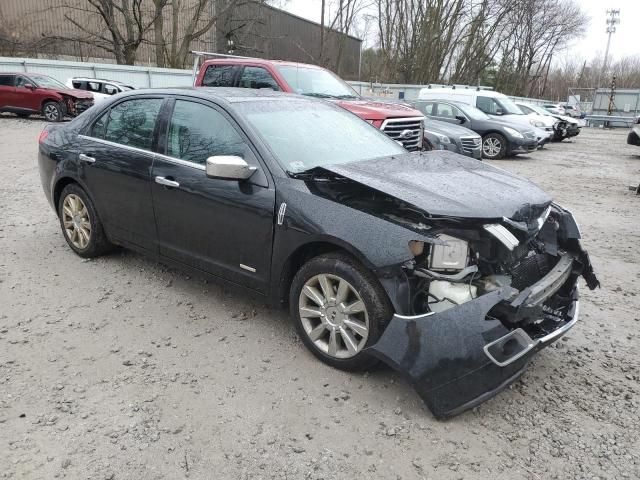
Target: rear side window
column 257, row 77
column 6, row 80
column 219, row 76
column 198, row 131
column 129, row 123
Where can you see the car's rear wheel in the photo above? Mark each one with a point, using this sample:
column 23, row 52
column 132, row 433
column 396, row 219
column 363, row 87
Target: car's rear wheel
column 52, row 111
column 494, row 146
column 80, row 224
column 339, row 309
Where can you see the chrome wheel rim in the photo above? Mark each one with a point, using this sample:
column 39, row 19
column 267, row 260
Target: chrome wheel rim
column 333, row 316
column 76, row 221
column 491, row 147
column 50, row 112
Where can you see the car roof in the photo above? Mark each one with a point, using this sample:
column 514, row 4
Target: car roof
column 259, row 61
column 89, row 79
column 223, row 94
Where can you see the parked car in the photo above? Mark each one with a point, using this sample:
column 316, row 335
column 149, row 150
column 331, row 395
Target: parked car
column 555, row 108
column 573, row 111
column 454, row 138
column 494, row 104
column 381, row 254
column 99, row 88
column 400, row 122
column 499, row 138
column 566, row 127
column 634, row 135
column 27, row 94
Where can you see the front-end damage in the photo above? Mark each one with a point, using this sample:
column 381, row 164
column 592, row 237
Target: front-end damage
column 483, row 304
column 488, row 274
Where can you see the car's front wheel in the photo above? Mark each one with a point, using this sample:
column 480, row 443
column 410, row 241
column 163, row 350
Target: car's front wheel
column 52, row 111
column 494, row 146
column 80, row 224
column 339, row 308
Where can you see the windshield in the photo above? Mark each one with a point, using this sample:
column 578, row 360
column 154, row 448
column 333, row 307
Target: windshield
column 472, row 112
column 46, row 82
column 304, row 135
column 316, row 82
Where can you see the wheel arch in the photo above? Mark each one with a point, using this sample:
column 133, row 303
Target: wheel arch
column 51, row 98
column 302, row 254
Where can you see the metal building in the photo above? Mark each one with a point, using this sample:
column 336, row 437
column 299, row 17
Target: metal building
column 43, row 28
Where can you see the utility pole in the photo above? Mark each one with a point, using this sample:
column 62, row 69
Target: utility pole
column 613, row 18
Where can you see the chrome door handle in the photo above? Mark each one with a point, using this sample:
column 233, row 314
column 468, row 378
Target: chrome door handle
column 166, row 182
column 86, row 158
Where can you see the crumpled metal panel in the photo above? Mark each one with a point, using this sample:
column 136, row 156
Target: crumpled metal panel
column 448, row 184
column 442, row 354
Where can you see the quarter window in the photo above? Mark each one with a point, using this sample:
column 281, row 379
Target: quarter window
column 110, row 89
column 197, row 132
column 219, row 76
column 129, row 123
column 257, row 77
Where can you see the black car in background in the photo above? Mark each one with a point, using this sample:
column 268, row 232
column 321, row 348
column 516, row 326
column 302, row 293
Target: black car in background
column 454, row 138
column 634, row 135
column 499, row 138
column 451, row 271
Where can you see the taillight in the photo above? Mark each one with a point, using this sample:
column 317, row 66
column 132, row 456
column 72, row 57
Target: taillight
column 43, row 135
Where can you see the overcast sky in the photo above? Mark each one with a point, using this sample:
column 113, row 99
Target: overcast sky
column 626, row 40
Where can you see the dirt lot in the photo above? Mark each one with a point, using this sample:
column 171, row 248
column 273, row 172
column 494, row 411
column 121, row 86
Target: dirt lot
column 120, row 368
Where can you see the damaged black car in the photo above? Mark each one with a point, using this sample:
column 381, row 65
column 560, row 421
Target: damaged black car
column 451, row 271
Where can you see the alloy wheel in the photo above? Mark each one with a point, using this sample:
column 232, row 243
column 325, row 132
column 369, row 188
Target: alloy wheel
column 333, row 316
column 51, row 112
column 491, row 147
column 76, row 221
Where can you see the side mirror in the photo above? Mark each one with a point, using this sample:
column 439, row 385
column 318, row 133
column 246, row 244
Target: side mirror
column 228, row 167
column 29, row 86
column 499, row 111
column 461, row 118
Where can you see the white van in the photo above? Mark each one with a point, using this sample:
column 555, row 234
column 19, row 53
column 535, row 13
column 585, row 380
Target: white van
column 492, row 103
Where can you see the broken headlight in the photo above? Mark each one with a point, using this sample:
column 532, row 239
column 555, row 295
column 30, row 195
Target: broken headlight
column 452, row 256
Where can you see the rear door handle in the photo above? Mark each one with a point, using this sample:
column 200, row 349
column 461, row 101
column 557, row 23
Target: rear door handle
column 166, row 182
column 86, row 158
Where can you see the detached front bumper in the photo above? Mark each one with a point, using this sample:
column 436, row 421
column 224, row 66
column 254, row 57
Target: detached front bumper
column 458, row 358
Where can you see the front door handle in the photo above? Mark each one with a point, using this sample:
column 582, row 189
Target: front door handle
column 166, row 182
column 86, row 158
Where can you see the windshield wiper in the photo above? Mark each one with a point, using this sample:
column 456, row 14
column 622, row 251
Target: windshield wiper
column 345, row 97
column 319, row 95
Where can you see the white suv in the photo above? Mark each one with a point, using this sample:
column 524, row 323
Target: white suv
column 100, row 89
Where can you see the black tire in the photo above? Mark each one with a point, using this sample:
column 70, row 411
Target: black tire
column 52, row 111
column 378, row 307
column 494, row 142
column 97, row 243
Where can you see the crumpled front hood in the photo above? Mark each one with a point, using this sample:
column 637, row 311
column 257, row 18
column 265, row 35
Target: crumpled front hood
column 73, row 93
column 447, row 184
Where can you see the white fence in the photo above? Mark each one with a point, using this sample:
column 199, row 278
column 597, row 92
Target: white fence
column 150, row 77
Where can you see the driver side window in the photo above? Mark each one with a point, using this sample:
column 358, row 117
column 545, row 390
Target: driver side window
column 22, row 81
column 487, row 105
column 197, row 132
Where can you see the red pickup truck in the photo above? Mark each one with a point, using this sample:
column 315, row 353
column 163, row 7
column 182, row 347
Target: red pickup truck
column 402, row 123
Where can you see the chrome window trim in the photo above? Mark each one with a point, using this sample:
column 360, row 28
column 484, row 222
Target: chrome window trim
column 177, row 161
column 119, row 145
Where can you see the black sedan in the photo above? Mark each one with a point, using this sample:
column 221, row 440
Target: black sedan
column 451, row 271
column 454, row 138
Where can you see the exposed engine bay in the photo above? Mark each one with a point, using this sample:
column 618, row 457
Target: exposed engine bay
column 468, row 258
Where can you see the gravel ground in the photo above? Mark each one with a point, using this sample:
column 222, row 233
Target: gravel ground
column 121, row 368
